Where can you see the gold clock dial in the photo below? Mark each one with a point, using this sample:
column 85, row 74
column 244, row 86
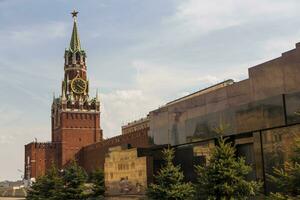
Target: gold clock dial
column 78, row 85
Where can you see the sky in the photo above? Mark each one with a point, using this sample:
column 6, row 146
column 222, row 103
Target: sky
column 141, row 54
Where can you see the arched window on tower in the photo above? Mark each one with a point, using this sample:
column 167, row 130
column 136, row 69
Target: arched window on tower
column 70, row 58
column 78, row 57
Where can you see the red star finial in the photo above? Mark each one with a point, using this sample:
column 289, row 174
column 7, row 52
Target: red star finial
column 74, row 13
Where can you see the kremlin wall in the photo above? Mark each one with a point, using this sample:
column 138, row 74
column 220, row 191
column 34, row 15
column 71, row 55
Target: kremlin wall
column 261, row 114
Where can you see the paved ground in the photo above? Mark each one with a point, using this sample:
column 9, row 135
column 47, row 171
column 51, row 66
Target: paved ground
column 108, row 198
column 122, row 198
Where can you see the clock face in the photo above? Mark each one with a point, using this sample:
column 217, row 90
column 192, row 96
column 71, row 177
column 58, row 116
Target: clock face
column 78, row 85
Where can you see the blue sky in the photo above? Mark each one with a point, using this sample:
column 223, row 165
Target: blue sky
column 141, row 54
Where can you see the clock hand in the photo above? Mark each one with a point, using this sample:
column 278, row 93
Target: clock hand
column 80, row 87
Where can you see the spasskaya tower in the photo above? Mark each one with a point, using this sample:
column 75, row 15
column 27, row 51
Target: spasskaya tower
column 75, row 115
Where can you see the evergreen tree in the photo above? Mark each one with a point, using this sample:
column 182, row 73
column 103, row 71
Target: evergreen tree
column 98, row 185
column 278, row 196
column 224, row 177
column 168, row 183
column 287, row 178
column 74, row 178
column 47, row 187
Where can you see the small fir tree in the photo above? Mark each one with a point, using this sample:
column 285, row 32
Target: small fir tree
column 168, row 183
column 278, row 196
column 74, row 178
column 287, row 178
column 224, row 177
column 47, row 187
column 98, row 185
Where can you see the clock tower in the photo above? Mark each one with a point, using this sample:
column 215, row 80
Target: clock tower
column 75, row 115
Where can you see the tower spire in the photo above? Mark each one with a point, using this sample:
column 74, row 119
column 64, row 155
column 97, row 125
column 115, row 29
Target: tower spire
column 75, row 41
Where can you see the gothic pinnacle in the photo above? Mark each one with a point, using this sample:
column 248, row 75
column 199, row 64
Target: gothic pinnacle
column 63, row 98
column 97, row 96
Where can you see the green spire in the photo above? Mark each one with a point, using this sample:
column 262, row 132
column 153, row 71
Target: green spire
column 75, row 41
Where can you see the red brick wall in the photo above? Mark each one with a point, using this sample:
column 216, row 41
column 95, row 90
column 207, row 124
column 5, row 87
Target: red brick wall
column 92, row 157
column 87, row 121
column 38, row 158
column 78, row 129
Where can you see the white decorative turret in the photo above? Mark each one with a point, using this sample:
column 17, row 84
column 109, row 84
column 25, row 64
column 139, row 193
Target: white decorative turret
column 63, row 95
column 72, row 98
column 89, row 101
column 87, row 89
column 80, row 103
column 68, row 83
column 97, row 101
column 97, row 97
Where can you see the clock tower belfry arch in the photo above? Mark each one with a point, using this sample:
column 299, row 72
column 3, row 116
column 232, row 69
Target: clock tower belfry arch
column 75, row 116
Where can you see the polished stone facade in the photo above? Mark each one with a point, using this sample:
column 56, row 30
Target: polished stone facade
column 265, row 100
column 125, row 172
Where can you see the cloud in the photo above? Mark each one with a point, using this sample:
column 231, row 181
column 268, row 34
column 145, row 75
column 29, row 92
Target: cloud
column 9, row 115
column 121, row 106
column 164, row 80
column 201, row 16
column 154, row 85
column 23, row 35
column 7, row 139
column 23, row 132
column 275, row 45
column 14, row 124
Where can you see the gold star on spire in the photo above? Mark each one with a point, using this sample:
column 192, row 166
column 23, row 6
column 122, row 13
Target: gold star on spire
column 74, row 13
